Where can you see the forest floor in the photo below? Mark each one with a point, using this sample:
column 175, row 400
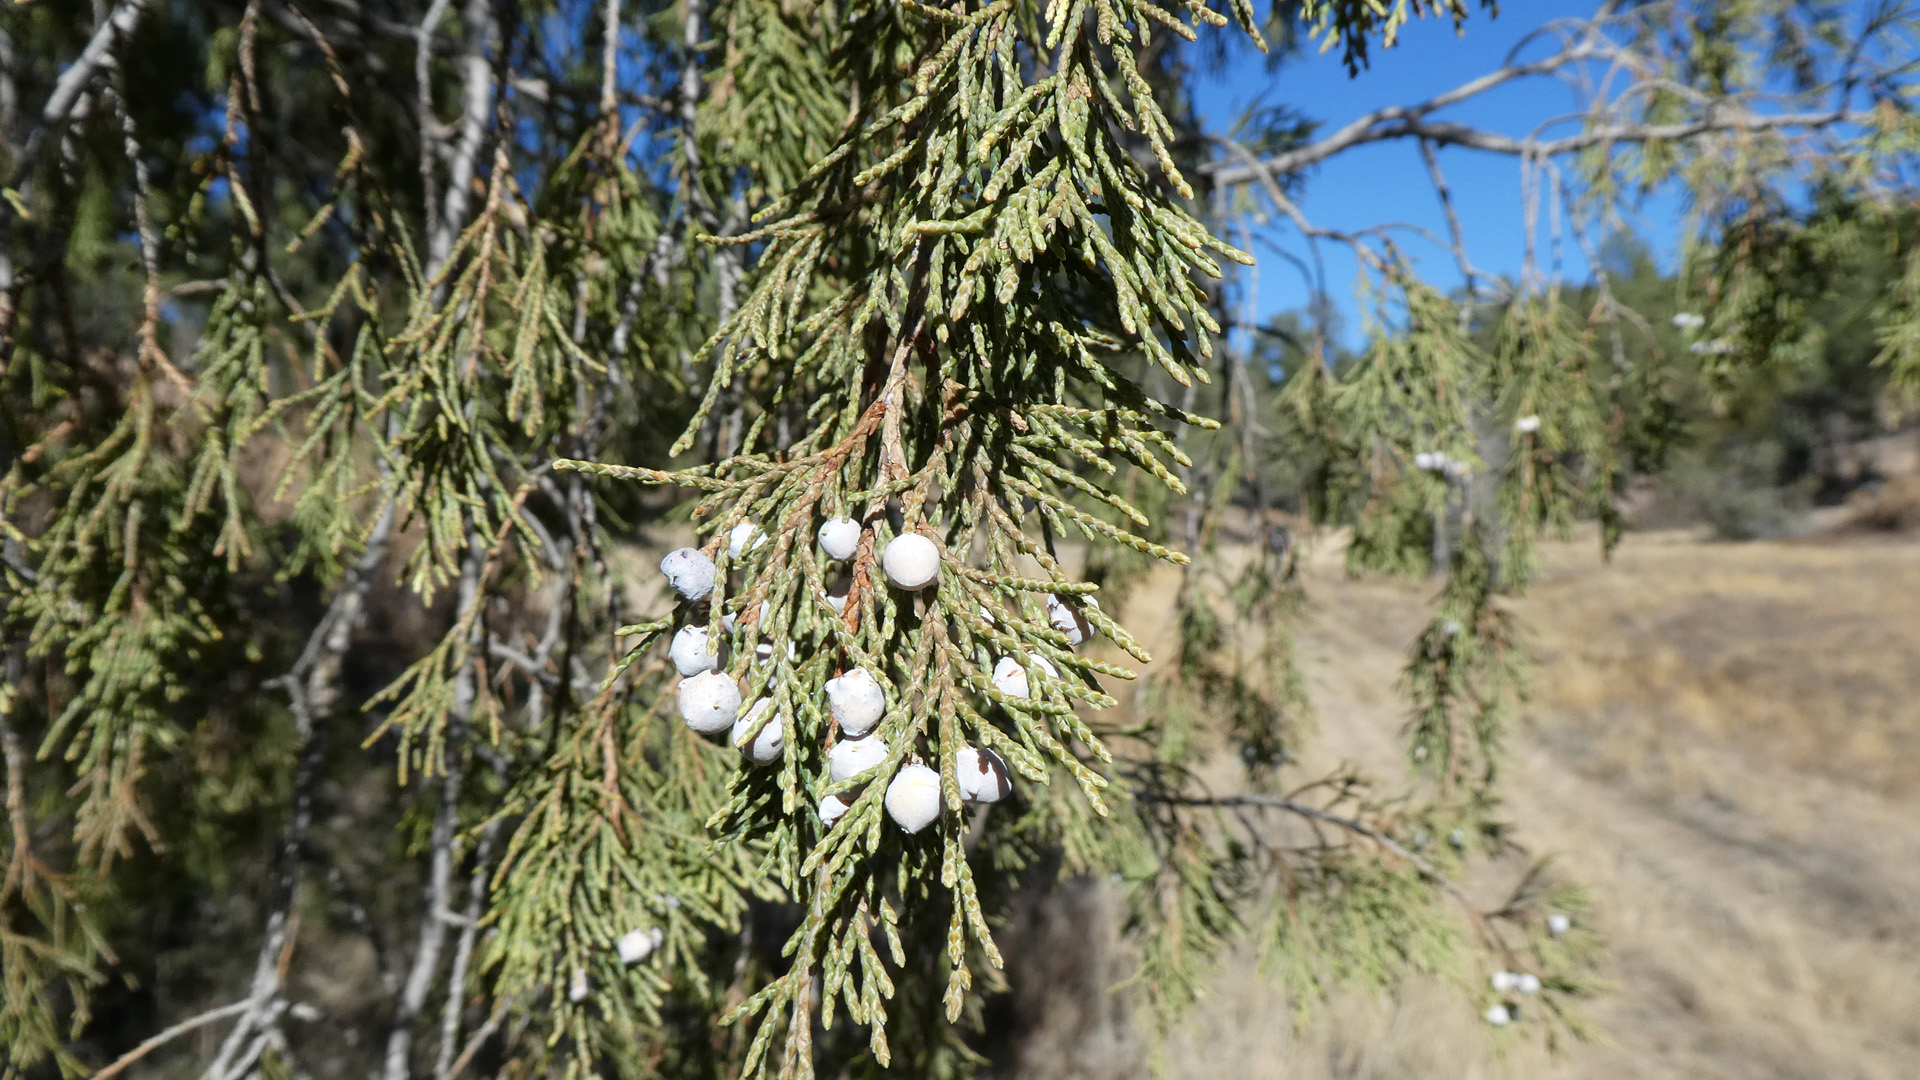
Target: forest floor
column 1723, row 746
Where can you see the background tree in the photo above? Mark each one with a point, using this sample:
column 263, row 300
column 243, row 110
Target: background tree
column 301, row 302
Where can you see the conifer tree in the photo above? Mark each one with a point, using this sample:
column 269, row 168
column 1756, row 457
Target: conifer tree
column 321, row 323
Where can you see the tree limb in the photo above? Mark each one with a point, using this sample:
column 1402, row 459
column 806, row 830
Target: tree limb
column 482, row 32
column 1451, row 134
column 69, row 86
column 432, row 935
column 431, row 130
column 1414, row 121
column 1314, row 813
column 463, row 950
column 312, row 691
column 163, row 1038
column 480, row 1036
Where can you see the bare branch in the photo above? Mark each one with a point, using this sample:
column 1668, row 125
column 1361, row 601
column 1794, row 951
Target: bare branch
column 480, row 1036
column 431, row 132
column 1395, row 121
column 149, row 332
column 1314, row 813
column 19, row 858
column 358, row 916
column 191, row 1024
column 1454, row 232
column 482, row 33
column 610, row 60
column 9, row 89
column 432, row 935
column 463, row 950
column 1450, row 134
column 690, row 88
column 311, row 687
column 1585, row 42
column 73, row 81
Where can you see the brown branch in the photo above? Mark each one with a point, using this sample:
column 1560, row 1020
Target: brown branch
column 1480, row 918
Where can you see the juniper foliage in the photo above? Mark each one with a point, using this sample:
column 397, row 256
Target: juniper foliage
column 281, row 344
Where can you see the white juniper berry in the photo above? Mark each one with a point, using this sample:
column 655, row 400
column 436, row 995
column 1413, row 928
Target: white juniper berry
column 839, row 538
column 982, row 775
column 1010, row 678
column 912, row 562
column 856, row 757
column 913, row 797
column 760, row 733
column 709, row 702
column 690, row 573
column 694, row 651
column 857, row 701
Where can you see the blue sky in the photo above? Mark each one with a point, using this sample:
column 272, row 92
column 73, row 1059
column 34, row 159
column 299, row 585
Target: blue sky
column 1388, row 181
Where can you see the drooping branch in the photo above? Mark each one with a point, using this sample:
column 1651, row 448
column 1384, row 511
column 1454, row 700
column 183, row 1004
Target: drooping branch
column 1425, row 867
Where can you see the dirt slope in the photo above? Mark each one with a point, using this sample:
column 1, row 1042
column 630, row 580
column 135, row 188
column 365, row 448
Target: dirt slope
column 1724, row 745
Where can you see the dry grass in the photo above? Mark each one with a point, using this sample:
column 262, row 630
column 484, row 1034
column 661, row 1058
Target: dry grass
column 1722, row 746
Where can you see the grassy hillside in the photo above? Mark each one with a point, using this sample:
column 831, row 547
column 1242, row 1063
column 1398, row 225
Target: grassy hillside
column 1724, row 744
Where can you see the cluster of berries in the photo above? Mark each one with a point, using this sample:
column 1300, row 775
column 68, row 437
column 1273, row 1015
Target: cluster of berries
column 710, row 700
column 1434, row 461
column 1502, row 1013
